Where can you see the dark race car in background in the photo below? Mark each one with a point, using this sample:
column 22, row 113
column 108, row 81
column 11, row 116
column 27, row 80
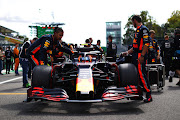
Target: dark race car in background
column 88, row 77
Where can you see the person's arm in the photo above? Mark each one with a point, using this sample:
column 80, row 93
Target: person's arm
column 146, row 43
column 158, row 51
column 130, row 51
column 162, row 50
column 45, row 45
column 33, row 48
column 65, row 49
column 26, row 47
column 67, row 45
column 5, row 54
column 16, row 53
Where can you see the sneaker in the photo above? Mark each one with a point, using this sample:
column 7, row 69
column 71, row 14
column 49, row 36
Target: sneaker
column 178, row 83
column 28, row 85
column 17, row 74
column 170, row 79
column 148, row 98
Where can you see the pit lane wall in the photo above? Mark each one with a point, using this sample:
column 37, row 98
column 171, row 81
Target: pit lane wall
column 10, row 39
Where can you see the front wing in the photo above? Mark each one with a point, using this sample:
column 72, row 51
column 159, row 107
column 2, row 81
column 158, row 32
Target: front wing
column 60, row 95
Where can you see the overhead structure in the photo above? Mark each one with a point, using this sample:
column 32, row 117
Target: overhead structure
column 6, row 36
column 5, row 30
column 11, row 39
column 41, row 28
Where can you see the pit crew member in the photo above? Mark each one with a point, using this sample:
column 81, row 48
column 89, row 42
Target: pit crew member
column 98, row 46
column 111, row 49
column 167, row 54
column 25, row 62
column 176, row 62
column 153, row 52
column 139, row 53
column 38, row 51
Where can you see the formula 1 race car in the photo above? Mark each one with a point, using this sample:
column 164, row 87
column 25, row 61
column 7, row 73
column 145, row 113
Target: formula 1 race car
column 88, row 77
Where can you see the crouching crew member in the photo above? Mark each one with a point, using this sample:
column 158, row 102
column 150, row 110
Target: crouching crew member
column 38, row 51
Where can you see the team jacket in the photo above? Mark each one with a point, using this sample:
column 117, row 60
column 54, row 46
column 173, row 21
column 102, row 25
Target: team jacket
column 111, row 49
column 153, row 50
column 177, row 42
column 155, row 46
column 43, row 46
column 141, row 38
column 8, row 54
column 22, row 53
column 16, row 53
column 167, row 49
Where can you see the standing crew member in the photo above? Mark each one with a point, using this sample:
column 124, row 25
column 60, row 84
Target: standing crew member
column 38, row 51
column 167, row 54
column 91, row 40
column 111, row 49
column 98, row 46
column 153, row 52
column 177, row 53
column 8, row 55
column 138, row 51
column 1, row 58
column 16, row 58
column 25, row 62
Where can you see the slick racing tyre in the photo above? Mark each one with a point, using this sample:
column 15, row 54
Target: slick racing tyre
column 128, row 74
column 41, row 76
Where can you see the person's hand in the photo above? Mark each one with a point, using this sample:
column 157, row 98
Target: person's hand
column 52, row 59
column 158, row 57
column 141, row 59
column 75, row 52
column 125, row 53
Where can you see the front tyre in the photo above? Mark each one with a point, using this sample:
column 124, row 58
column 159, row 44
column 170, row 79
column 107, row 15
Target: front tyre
column 41, row 76
column 128, row 75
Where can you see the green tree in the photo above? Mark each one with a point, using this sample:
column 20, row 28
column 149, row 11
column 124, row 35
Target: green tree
column 129, row 35
column 148, row 21
column 174, row 20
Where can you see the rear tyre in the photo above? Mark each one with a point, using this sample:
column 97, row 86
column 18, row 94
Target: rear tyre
column 128, row 75
column 41, row 76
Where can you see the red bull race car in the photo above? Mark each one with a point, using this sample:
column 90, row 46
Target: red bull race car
column 88, row 77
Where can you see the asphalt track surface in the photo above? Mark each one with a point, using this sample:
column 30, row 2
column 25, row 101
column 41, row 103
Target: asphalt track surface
column 165, row 105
